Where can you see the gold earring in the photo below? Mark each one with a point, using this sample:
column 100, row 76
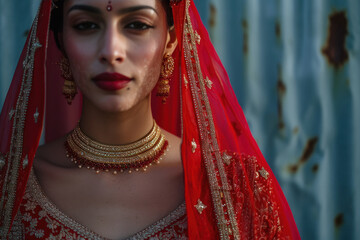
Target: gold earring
column 167, row 69
column 69, row 88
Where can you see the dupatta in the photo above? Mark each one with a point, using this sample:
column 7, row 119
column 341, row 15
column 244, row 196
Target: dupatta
column 230, row 191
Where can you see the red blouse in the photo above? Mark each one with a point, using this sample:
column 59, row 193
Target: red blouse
column 39, row 218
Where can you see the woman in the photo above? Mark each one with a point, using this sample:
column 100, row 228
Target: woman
column 100, row 181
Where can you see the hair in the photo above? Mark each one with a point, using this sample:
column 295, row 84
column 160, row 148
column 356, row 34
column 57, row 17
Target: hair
column 56, row 21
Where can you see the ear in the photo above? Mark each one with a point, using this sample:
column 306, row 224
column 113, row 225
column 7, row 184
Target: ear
column 171, row 41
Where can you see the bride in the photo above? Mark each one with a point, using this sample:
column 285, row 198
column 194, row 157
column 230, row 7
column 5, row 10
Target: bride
column 161, row 149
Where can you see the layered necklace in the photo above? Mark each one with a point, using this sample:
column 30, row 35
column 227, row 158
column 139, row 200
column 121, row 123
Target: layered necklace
column 136, row 156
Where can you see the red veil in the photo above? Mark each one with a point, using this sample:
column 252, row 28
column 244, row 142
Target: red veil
column 230, row 191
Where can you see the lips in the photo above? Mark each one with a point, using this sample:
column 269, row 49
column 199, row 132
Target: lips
column 111, row 81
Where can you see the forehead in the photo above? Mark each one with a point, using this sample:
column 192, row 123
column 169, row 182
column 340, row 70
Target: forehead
column 117, row 6
column 113, row 2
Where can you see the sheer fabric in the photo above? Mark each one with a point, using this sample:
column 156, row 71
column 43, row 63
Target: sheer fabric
column 230, row 190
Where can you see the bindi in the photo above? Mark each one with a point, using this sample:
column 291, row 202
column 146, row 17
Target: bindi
column 109, row 7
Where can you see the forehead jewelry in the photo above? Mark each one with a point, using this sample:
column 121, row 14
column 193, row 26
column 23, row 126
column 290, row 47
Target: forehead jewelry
column 109, row 7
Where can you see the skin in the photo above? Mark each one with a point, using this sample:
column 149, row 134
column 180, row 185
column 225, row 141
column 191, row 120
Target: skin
column 132, row 43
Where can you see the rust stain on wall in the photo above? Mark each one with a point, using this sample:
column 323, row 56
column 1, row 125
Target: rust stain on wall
column 245, row 37
column 278, row 29
column 212, row 19
column 281, row 90
column 334, row 49
column 339, row 220
column 309, row 149
column 305, row 156
column 315, row 168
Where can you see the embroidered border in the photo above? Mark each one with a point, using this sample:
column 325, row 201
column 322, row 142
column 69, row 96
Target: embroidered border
column 16, row 148
column 220, row 190
column 39, row 196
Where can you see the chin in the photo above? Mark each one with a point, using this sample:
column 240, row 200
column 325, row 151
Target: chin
column 116, row 106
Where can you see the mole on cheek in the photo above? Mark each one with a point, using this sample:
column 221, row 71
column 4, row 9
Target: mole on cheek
column 128, row 89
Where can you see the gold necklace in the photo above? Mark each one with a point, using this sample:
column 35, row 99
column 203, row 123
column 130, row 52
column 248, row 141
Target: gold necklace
column 85, row 152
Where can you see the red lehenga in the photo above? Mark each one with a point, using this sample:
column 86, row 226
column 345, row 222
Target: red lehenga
column 230, row 191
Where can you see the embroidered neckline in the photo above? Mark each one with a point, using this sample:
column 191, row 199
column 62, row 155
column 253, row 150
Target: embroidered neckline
column 37, row 194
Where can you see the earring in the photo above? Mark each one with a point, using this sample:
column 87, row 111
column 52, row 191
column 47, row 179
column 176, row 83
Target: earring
column 69, row 88
column 167, row 69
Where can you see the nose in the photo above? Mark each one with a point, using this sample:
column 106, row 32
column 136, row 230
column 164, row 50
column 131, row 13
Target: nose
column 112, row 46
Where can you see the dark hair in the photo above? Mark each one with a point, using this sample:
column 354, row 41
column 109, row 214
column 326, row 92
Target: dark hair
column 56, row 21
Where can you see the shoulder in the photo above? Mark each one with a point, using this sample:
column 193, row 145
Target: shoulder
column 174, row 148
column 52, row 154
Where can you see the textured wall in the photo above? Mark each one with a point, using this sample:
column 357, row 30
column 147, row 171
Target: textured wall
column 295, row 66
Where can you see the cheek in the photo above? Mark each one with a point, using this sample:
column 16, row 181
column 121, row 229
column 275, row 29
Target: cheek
column 150, row 60
column 79, row 56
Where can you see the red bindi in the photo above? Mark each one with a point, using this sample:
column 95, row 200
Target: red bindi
column 109, row 6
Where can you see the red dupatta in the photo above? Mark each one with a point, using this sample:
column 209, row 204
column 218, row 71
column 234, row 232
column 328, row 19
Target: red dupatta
column 230, row 190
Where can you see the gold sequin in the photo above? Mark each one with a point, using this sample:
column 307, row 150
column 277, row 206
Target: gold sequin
column 264, row 173
column 11, row 114
column 208, row 82
column 186, row 81
column 200, row 206
column 2, row 161
column 227, row 158
column 36, row 45
column 193, row 146
column 36, row 115
column 26, row 161
column 197, row 38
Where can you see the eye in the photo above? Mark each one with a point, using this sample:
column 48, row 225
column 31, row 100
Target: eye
column 83, row 26
column 138, row 26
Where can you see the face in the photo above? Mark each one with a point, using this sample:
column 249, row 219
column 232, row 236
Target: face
column 115, row 56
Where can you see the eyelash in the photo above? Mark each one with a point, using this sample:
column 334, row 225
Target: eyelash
column 136, row 26
column 84, row 26
column 139, row 26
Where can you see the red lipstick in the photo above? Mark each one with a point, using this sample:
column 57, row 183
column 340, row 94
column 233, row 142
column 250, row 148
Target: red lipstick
column 111, row 81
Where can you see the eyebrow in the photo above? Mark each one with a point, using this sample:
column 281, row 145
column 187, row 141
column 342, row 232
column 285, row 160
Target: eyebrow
column 95, row 10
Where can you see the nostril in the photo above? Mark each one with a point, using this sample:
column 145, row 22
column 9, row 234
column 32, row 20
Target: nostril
column 103, row 60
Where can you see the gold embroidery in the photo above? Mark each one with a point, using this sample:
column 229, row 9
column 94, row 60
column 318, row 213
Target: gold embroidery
column 266, row 215
column 214, row 164
column 186, row 81
column 19, row 115
column 60, row 225
column 200, row 206
column 208, row 82
column 17, row 231
column 26, row 161
column 193, row 146
column 2, row 163
column 264, row 173
column 227, row 158
column 11, row 114
column 197, row 38
column 2, row 160
column 36, row 115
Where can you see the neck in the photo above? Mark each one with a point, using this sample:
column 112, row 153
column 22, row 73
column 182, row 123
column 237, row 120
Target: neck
column 116, row 128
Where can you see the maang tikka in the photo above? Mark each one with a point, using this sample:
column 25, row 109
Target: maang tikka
column 69, row 87
column 167, row 69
